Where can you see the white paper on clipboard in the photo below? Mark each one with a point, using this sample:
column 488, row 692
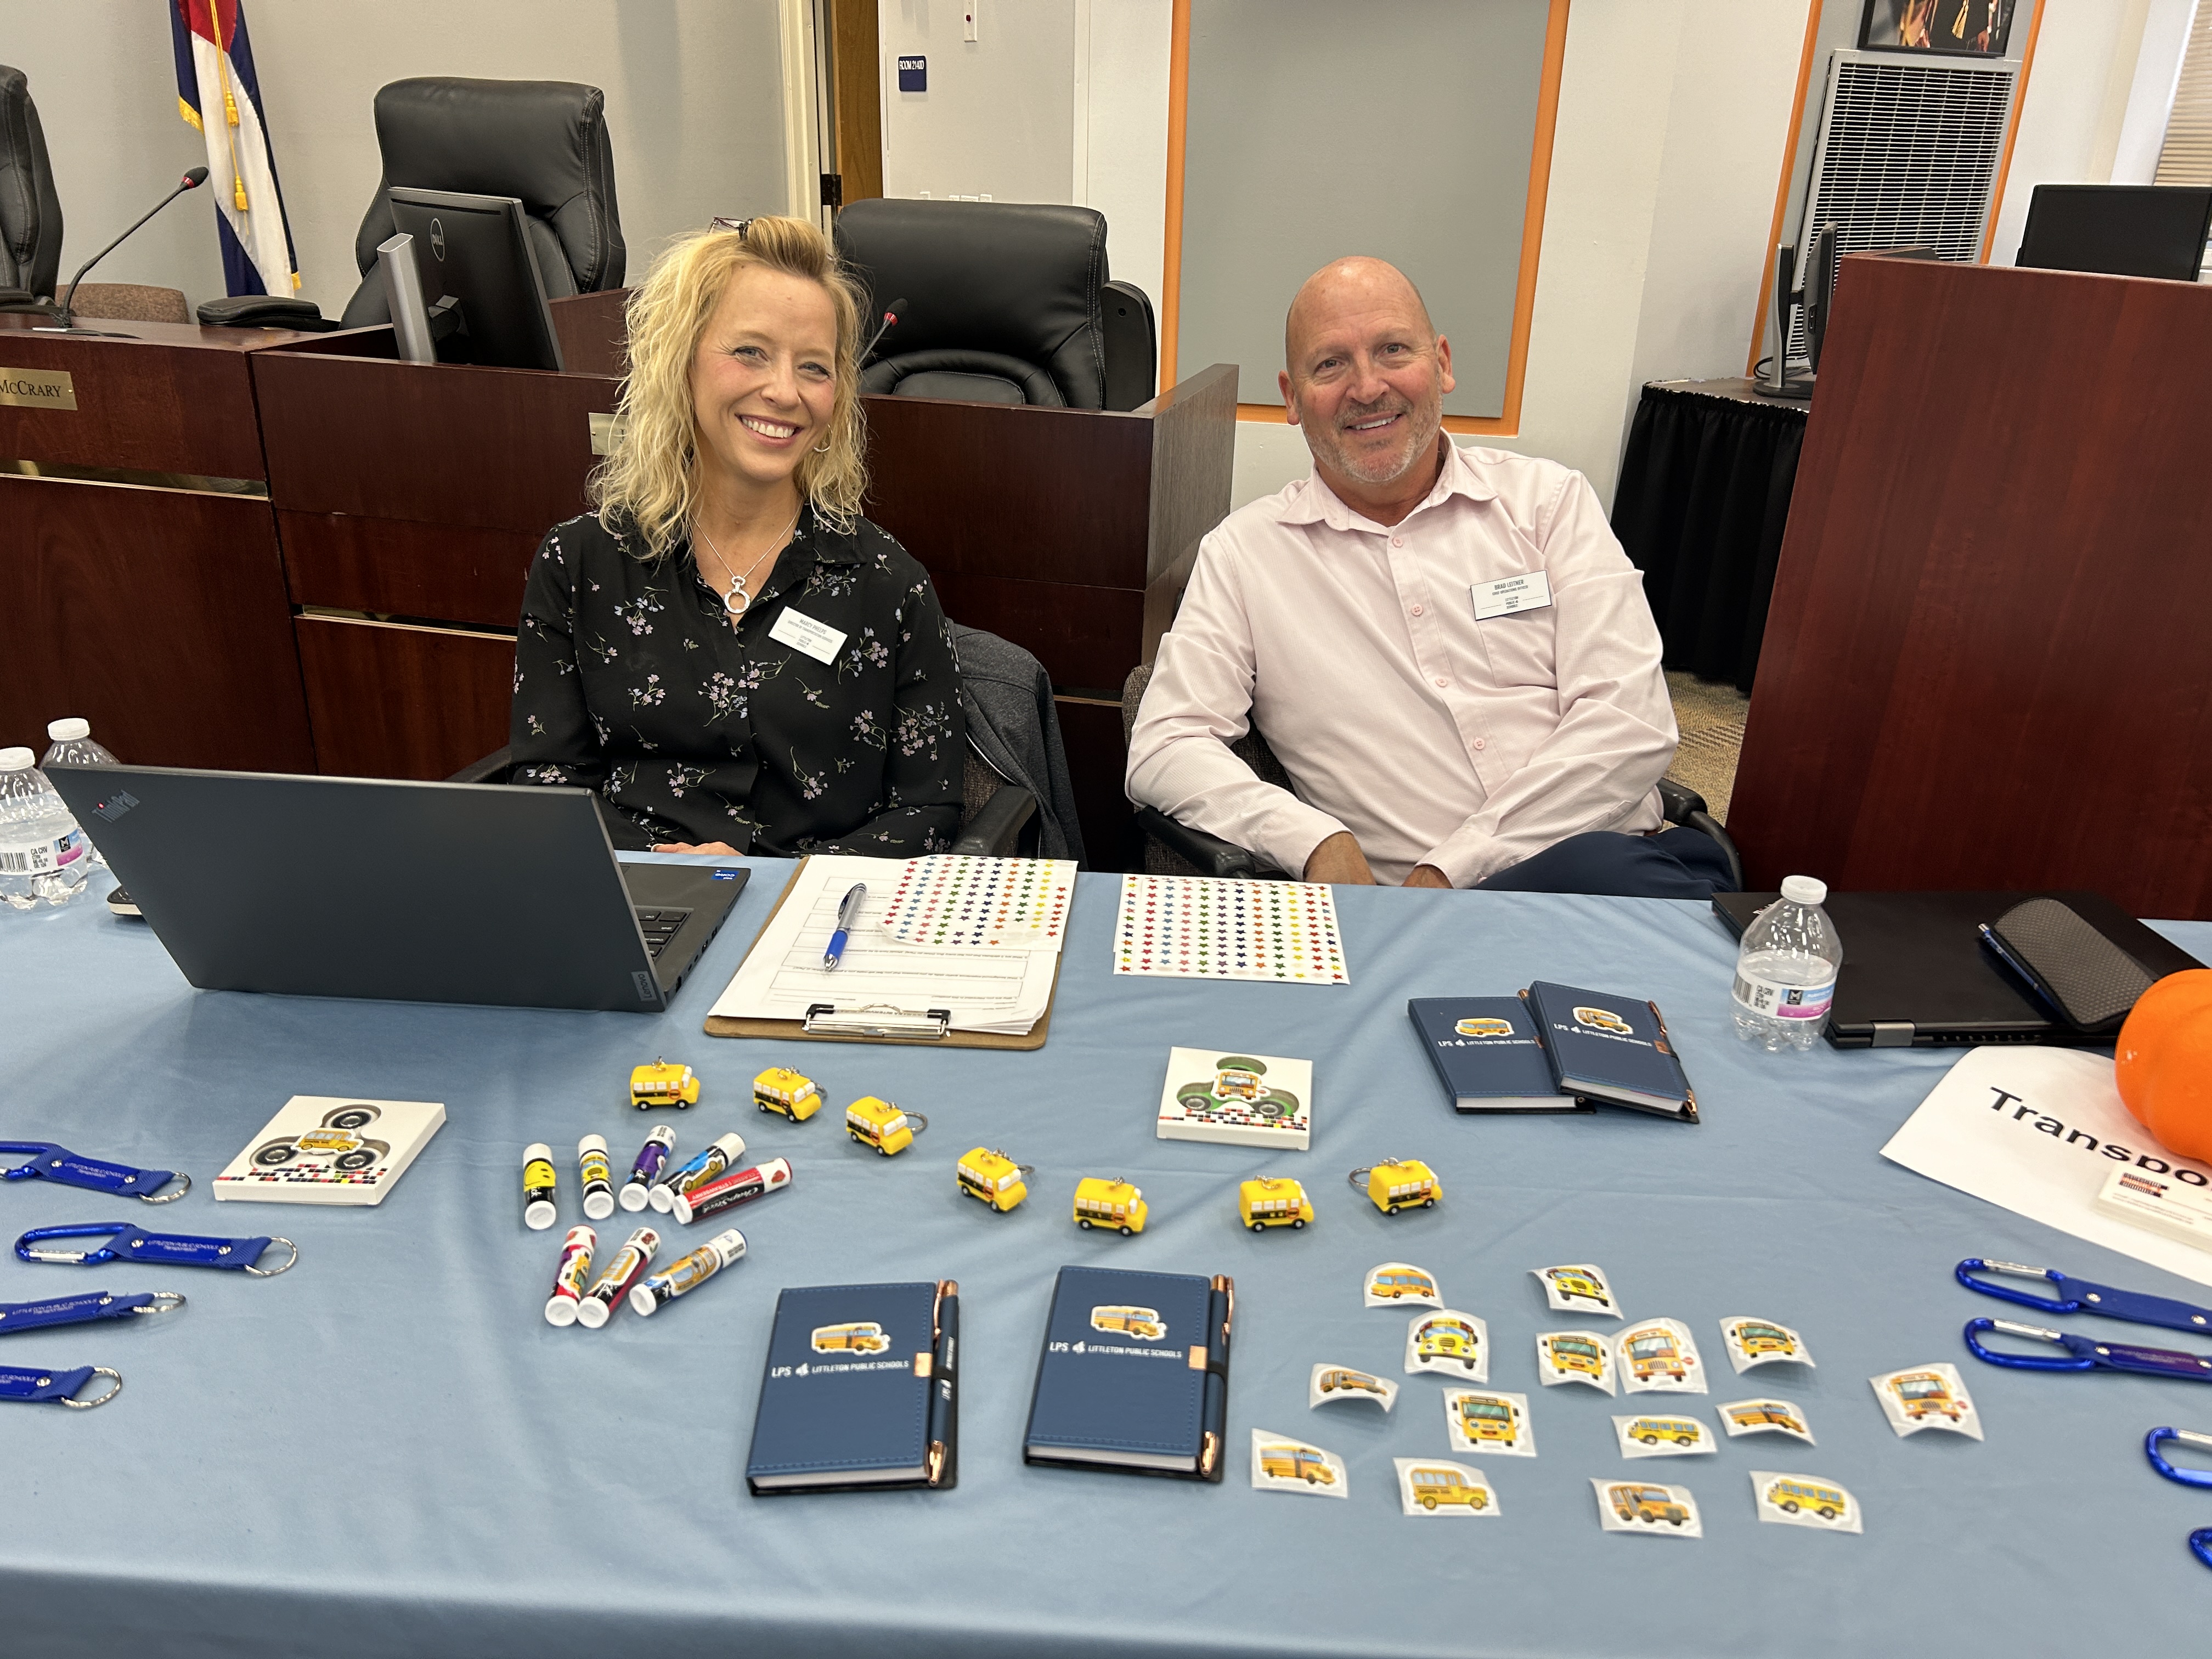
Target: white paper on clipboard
column 2037, row 1130
column 986, row 988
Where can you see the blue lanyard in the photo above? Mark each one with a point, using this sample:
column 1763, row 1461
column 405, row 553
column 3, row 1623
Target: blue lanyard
column 83, row 1310
column 2085, row 1354
column 2080, row 1296
column 59, row 1387
column 54, row 1163
column 130, row 1243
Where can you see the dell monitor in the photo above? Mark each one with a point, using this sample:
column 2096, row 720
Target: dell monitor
column 481, row 283
column 2118, row 230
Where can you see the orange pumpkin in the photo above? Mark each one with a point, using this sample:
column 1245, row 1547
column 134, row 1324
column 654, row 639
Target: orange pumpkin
column 2163, row 1062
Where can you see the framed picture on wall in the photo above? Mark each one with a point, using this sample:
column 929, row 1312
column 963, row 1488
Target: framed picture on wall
column 1959, row 28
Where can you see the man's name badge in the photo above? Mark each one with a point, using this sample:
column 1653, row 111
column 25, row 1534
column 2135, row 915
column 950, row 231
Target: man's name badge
column 1508, row 594
column 802, row 633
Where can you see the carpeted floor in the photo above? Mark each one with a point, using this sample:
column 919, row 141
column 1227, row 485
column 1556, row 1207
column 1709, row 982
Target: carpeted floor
column 1710, row 716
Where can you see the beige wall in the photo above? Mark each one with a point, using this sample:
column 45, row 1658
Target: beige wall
column 693, row 110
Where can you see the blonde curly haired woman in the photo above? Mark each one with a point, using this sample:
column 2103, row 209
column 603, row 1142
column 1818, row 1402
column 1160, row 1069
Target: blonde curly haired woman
column 726, row 653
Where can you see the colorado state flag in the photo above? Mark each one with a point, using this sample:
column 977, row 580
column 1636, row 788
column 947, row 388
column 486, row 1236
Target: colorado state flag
column 218, row 93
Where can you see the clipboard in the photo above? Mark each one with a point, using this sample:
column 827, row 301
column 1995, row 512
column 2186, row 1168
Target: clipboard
column 726, row 1025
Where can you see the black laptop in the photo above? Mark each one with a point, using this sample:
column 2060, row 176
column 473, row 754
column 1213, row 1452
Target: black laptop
column 410, row 892
column 1916, row 974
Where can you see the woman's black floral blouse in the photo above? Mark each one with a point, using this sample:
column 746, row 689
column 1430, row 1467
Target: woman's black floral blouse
column 632, row 680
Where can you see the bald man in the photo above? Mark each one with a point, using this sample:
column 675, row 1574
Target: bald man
column 1446, row 647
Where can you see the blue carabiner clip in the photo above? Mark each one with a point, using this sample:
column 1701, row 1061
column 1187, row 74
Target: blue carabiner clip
column 2200, row 1542
column 2085, row 1354
column 2080, row 1296
column 57, row 1162
column 83, row 1310
column 128, row 1243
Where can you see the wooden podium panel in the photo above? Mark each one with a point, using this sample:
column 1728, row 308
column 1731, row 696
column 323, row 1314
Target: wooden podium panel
column 410, row 498
column 137, row 547
column 1987, row 663
column 403, row 701
column 159, row 615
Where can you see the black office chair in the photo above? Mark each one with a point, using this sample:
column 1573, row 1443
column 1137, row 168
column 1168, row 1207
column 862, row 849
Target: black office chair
column 1004, row 302
column 544, row 142
column 30, row 212
column 1173, row 848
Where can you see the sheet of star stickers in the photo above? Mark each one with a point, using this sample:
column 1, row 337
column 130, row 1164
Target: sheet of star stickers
column 1193, row 927
column 946, row 901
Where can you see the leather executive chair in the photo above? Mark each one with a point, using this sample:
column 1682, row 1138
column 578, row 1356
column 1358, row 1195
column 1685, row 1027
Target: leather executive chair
column 1174, row 848
column 1005, row 302
column 543, row 142
column 30, row 212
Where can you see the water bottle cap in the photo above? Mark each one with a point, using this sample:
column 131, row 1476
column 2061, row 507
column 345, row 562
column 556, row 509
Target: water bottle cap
column 1803, row 889
column 15, row 760
column 69, row 730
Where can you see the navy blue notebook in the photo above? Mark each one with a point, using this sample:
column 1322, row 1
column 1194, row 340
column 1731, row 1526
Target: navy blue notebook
column 1611, row 1049
column 860, row 1390
column 1135, row 1374
column 1487, row 1051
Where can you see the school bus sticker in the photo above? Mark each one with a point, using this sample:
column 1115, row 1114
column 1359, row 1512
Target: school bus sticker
column 1400, row 1281
column 1805, row 1500
column 1751, row 1342
column 1575, row 1357
column 1479, row 1420
column 1926, row 1397
column 1447, row 1340
column 1659, row 1357
column 1578, row 1287
column 1281, row 1463
column 864, row 1337
column 1329, row 1382
column 1435, row 1488
column 1662, row 1434
column 1765, row 1417
column 1641, row 1506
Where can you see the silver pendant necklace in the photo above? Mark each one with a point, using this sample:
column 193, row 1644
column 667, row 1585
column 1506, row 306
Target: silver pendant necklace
column 736, row 599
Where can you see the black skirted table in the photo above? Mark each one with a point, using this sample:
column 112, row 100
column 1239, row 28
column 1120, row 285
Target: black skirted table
column 1703, row 498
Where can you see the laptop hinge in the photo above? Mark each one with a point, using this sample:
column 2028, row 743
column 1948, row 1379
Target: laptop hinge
column 1892, row 1034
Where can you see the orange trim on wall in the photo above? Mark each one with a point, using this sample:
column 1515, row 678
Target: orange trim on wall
column 1782, row 185
column 1504, row 425
column 2012, row 131
column 1178, row 116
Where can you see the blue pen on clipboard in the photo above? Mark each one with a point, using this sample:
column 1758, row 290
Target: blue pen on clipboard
column 846, row 911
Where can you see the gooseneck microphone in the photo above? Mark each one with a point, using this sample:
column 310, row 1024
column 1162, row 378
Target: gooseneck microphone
column 63, row 322
column 890, row 320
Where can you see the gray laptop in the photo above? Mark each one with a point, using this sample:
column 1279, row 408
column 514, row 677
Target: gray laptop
column 410, row 892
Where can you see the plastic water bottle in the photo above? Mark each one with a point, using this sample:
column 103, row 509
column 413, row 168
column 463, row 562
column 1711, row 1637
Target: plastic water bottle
column 1785, row 971
column 43, row 854
column 71, row 741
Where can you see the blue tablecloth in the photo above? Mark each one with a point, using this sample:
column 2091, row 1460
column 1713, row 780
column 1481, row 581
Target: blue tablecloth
column 388, row 1450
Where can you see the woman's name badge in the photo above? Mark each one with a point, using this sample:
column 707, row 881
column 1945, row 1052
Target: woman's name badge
column 802, row 633
column 1508, row 594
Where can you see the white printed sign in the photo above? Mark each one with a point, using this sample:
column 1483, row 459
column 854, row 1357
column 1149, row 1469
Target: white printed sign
column 2037, row 1131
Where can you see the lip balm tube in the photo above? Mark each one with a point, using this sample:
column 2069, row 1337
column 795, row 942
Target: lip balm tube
column 599, row 1178
column 652, row 1159
column 700, row 1170
column 615, row 1279
column 538, row 1179
column 738, row 1187
column 569, row 1279
column 687, row 1272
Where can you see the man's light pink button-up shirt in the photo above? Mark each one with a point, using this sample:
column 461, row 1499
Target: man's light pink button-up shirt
column 1434, row 737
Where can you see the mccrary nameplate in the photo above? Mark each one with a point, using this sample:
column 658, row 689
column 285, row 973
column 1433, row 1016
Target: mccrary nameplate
column 37, row 388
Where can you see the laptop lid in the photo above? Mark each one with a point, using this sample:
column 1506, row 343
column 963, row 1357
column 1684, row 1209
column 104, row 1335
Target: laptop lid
column 391, row 889
column 1916, row 973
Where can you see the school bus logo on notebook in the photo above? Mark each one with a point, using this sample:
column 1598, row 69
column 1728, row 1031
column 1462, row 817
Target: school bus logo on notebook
column 865, row 1337
column 1143, row 1324
column 1604, row 1019
column 1484, row 1026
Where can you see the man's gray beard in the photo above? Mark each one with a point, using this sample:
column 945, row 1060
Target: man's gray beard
column 1426, row 424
